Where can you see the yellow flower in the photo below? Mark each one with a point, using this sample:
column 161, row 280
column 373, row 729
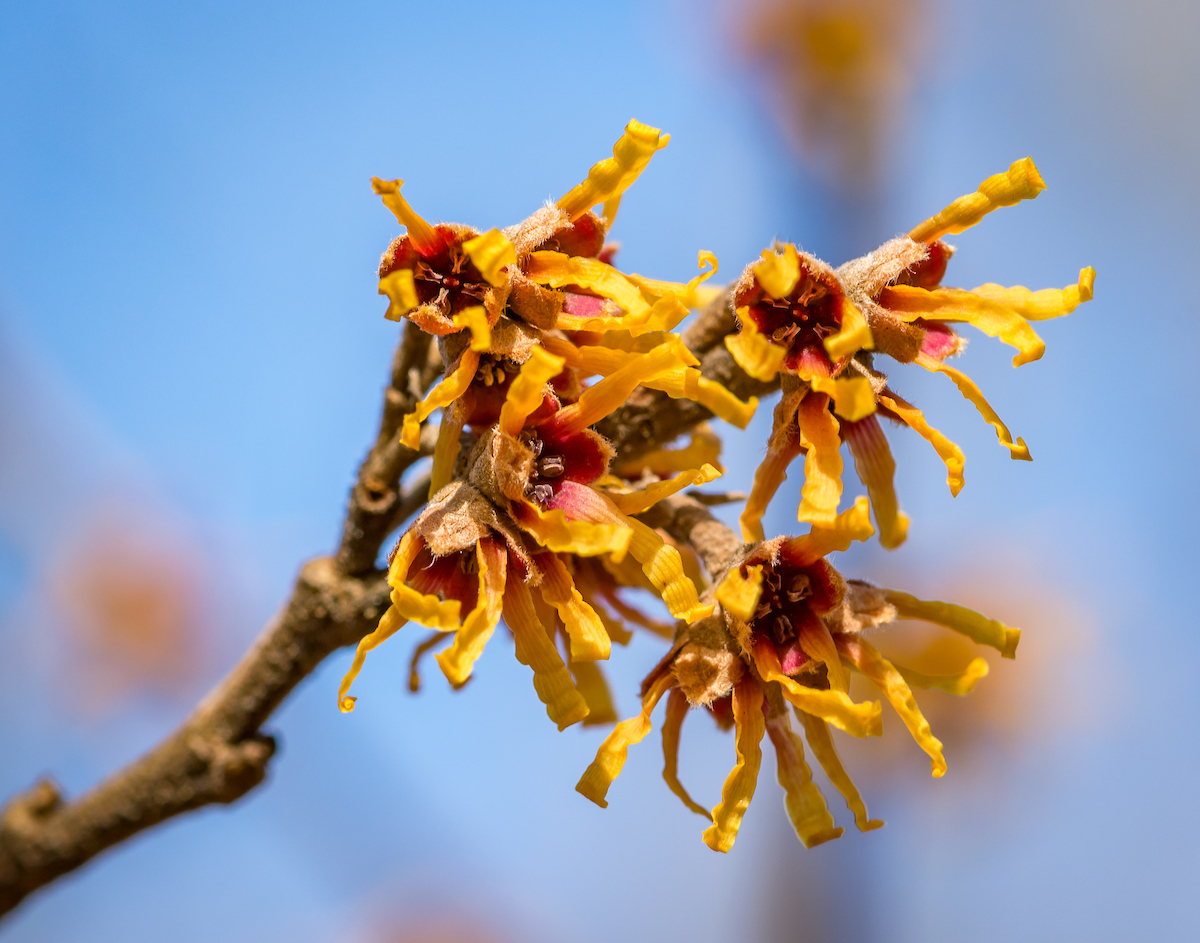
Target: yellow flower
column 819, row 328
column 790, row 631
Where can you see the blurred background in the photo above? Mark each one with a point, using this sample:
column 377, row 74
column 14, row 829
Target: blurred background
column 192, row 354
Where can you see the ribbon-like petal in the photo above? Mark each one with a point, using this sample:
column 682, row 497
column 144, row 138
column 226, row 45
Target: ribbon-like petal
column 749, row 727
column 491, row 252
column 564, row 704
column 458, row 660
column 817, row 732
column 753, row 351
column 475, row 320
column 739, row 595
column 805, row 805
column 960, row 683
column 1017, row 450
column 526, row 392
column 420, row 233
column 634, row 502
column 1044, row 304
column 611, row 177
column 401, row 291
column 589, row 640
column 949, row 453
column 822, row 489
column 453, row 385
column 965, row 621
column 854, row 334
column 783, row 446
column 1020, row 182
column 677, row 710
column 876, row 470
column 858, row 720
column 613, row 752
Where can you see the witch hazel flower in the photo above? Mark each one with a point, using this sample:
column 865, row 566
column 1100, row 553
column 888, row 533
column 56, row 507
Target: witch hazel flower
column 817, row 328
column 789, row 633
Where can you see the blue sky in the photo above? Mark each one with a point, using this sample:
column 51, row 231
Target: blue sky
column 188, row 313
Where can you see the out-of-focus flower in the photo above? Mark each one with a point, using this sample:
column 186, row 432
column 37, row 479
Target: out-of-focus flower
column 818, row 327
column 129, row 593
column 838, row 73
column 790, row 631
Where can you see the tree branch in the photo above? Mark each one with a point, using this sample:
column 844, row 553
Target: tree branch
column 219, row 753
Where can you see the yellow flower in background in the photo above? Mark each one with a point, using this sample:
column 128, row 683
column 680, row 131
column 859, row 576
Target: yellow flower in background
column 838, row 73
column 790, row 633
column 820, row 327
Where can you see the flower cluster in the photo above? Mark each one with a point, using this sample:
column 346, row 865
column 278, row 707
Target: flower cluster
column 538, row 521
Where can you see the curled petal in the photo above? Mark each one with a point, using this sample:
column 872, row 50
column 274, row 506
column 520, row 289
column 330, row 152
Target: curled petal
column 401, row 292
column 805, row 805
column 1020, row 182
column 491, row 252
column 420, row 233
column 876, row 469
column 611, row 393
column 445, row 452
column 677, row 709
column 778, row 272
column 822, row 489
column 458, row 660
column 558, row 270
column 1018, row 449
column 475, row 320
column 959, row 684
column 613, row 752
column 409, row 604
column 949, row 453
column 823, row 539
column 389, row 625
column 817, row 732
column 611, row 177
column 453, row 385
column 1044, row 304
column 414, row 664
column 739, row 595
column 965, row 621
column 858, row 720
column 564, row 704
column 663, row 565
column 589, row 680
column 690, row 294
column 783, row 446
column 853, row 336
column 853, row 398
column 525, row 393
column 909, row 303
column 635, row 502
column 749, row 726
column 555, row 532
column 589, row 640
column 866, row 658
column 753, row 351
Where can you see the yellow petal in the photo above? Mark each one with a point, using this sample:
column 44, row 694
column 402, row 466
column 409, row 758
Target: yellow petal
column 949, row 453
column 458, row 660
column 527, row 390
column 558, row 270
column 965, row 621
column 474, row 319
column 611, row 177
column 876, row 470
column 689, row 383
column 634, row 502
column 805, row 805
column 588, row 360
column 677, row 709
column 822, row 489
column 389, row 625
column 491, row 252
column 420, row 233
column 821, row 742
column 611, row 393
column 614, row 750
column 739, row 595
column 853, row 398
column 749, row 726
column 401, row 292
column 961, row 683
column 753, row 351
column 1044, row 304
column 426, row 610
column 453, row 385
column 691, row 293
column 858, row 720
column 816, row 642
column 909, row 303
column 564, row 704
column 586, row 538
column 445, row 452
column 866, row 658
column 663, row 565
column 1020, row 182
column 778, row 272
column 853, row 336
column 589, row 640
column 1018, row 449
column 703, row 448
column 783, row 446
column 589, row 680
column 823, row 539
